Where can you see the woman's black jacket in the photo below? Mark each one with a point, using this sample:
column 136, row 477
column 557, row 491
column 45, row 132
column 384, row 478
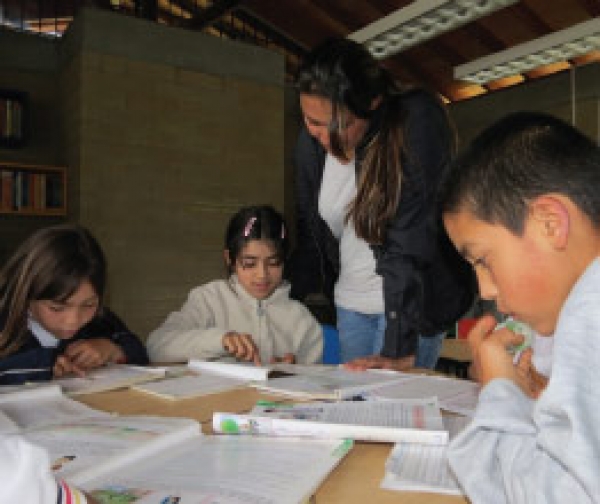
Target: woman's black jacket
column 427, row 285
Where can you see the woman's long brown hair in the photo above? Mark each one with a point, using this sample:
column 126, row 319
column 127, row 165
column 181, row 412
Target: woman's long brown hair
column 345, row 73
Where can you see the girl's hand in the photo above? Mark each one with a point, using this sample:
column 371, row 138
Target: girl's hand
column 64, row 366
column 94, row 353
column 491, row 356
column 288, row 358
column 242, row 347
column 377, row 361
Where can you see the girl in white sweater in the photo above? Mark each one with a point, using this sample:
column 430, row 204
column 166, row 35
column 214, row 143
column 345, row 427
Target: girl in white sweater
column 249, row 316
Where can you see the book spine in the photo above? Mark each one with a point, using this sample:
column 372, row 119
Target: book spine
column 3, row 123
column 18, row 191
column 227, row 423
column 242, row 371
column 6, row 198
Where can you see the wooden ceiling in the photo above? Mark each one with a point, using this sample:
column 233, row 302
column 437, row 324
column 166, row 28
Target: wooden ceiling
column 296, row 26
column 308, row 22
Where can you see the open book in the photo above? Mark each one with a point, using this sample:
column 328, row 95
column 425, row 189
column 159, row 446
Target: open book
column 243, row 370
column 453, row 394
column 152, row 460
column 325, row 382
column 296, row 380
column 109, row 377
column 412, row 421
column 35, row 406
column 202, row 378
column 159, row 459
column 423, row 468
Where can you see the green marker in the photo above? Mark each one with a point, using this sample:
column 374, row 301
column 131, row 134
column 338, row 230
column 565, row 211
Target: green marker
column 229, row 426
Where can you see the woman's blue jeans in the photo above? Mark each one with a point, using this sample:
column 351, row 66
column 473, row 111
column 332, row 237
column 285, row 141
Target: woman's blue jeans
column 361, row 334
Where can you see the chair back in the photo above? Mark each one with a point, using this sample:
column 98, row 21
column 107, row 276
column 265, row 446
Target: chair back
column 331, row 345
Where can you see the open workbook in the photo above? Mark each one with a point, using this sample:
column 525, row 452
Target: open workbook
column 153, row 460
column 204, row 377
column 324, row 382
column 40, row 405
column 109, row 377
column 453, row 394
column 410, row 420
column 423, row 468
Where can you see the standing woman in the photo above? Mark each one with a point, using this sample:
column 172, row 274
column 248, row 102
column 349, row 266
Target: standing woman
column 368, row 164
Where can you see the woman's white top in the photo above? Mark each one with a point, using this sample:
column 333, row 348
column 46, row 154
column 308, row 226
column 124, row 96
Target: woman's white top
column 358, row 287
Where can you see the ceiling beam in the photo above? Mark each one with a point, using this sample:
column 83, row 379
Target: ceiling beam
column 534, row 22
column 591, row 6
column 208, row 16
column 484, row 36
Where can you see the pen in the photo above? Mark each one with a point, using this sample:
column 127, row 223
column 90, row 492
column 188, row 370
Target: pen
column 23, row 371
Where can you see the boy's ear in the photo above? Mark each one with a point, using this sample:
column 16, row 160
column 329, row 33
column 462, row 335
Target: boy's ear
column 227, row 257
column 552, row 215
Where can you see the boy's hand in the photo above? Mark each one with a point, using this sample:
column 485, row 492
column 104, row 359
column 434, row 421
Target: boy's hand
column 537, row 381
column 93, row 353
column 491, row 358
column 377, row 361
column 242, row 347
column 288, row 358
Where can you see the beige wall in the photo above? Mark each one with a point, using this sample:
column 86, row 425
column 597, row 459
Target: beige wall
column 166, row 132
column 165, row 137
column 574, row 96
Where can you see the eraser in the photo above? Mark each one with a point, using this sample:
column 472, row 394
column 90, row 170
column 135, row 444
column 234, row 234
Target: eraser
column 518, row 328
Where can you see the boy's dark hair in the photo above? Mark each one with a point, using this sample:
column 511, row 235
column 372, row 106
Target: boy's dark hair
column 50, row 264
column 261, row 222
column 519, row 158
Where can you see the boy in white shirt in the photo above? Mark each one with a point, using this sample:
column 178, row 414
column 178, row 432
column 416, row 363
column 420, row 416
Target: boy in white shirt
column 27, row 479
column 523, row 206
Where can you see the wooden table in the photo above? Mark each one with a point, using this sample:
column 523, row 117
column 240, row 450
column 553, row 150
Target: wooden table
column 455, row 357
column 355, row 480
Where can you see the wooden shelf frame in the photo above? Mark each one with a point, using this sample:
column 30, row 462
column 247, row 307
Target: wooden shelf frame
column 37, row 190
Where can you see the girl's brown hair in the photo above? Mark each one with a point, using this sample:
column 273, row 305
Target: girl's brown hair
column 51, row 264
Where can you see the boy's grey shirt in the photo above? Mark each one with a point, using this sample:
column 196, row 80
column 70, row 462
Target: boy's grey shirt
column 517, row 450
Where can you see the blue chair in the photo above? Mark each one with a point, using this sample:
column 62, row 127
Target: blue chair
column 331, row 345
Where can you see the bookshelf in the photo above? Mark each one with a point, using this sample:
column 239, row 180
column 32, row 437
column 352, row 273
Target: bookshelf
column 13, row 118
column 33, row 189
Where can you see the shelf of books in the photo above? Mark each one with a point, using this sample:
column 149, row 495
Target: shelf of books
column 33, row 189
column 12, row 118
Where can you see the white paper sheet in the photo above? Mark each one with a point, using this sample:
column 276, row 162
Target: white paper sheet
column 230, row 470
column 455, row 395
column 421, row 468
